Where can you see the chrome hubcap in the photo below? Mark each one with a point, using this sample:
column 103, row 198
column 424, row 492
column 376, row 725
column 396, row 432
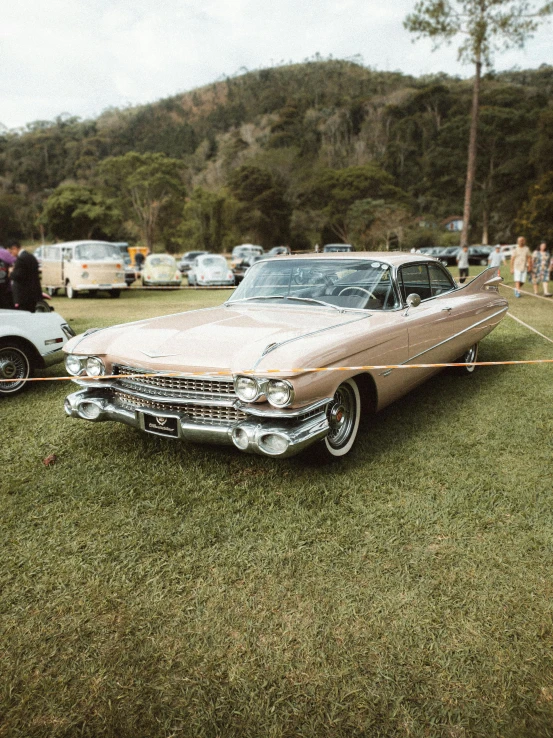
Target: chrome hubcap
column 470, row 357
column 341, row 416
column 13, row 365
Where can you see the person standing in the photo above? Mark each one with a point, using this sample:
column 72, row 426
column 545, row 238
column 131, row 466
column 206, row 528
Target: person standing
column 541, row 266
column 25, row 278
column 521, row 262
column 6, row 262
column 495, row 259
column 463, row 263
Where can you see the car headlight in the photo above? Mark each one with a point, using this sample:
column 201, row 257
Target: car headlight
column 247, row 388
column 279, row 392
column 95, row 367
column 74, row 364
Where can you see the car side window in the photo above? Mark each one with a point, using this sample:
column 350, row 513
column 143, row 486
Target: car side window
column 441, row 280
column 414, row 279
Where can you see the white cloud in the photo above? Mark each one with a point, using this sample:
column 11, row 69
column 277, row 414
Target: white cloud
column 81, row 57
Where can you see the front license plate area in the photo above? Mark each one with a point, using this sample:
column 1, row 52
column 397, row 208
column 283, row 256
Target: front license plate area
column 161, row 425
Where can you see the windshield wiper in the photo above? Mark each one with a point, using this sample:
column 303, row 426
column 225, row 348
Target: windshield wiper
column 317, row 302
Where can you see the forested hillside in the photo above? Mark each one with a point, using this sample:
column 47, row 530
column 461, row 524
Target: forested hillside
column 315, row 152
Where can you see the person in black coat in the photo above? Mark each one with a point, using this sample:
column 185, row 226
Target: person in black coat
column 6, row 262
column 26, row 289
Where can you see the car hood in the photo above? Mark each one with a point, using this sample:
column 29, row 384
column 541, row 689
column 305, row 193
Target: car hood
column 238, row 338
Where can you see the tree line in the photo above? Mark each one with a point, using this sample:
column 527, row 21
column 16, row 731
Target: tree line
column 317, row 152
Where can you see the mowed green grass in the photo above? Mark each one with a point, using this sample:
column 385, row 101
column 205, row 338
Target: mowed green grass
column 153, row 588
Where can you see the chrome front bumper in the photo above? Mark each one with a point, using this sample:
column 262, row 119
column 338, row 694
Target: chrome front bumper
column 268, row 436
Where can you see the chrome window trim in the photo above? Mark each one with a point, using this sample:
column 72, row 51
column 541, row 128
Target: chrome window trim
column 426, row 299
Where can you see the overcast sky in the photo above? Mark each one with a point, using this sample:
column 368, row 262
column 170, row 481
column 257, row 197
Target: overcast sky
column 83, row 56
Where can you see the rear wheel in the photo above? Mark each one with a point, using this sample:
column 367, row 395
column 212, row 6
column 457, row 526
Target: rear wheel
column 70, row 292
column 52, row 291
column 468, row 359
column 15, row 364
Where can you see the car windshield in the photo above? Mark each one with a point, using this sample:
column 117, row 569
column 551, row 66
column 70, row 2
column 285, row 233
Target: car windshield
column 161, row 260
column 97, row 252
column 356, row 284
column 212, row 261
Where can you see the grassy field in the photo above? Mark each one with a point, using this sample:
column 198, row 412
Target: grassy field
column 151, row 588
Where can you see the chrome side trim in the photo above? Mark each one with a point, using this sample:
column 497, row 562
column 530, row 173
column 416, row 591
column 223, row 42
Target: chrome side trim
column 456, row 335
column 306, row 335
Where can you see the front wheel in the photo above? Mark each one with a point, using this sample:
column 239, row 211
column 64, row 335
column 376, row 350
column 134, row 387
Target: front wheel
column 70, row 292
column 16, row 365
column 115, row 293
column 468, row 359
column 52, row 291
column 344, row 414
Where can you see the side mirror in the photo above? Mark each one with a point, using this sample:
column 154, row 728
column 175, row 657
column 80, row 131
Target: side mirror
column 413, row 300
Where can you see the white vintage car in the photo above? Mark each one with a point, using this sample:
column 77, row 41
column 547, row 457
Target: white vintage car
column 210, row 270
column 161, row 270
column 28, row 342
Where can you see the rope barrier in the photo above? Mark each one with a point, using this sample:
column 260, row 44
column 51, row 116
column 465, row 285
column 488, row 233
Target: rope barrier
column 518, row 320
column 298, row 370
column 528, row 294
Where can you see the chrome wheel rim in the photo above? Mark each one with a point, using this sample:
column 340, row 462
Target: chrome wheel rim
column 13, row 365
column 470, row 357
column 341, row 416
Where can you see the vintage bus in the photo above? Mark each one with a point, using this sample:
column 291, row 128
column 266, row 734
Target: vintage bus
column 83, row 266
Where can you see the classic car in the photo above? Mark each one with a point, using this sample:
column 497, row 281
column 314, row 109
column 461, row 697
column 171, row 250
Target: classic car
column 478, row 255
column 187, row 260
column 279, row 251
column 448, row 255
column 335, row 248
column 244, row 254
column 29, row 342
column 210, row 270
column 243, row 372
column 160, row 270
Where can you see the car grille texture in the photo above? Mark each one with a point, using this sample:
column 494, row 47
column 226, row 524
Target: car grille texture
column 214, row 415
column 173, row 385
column 186, row 395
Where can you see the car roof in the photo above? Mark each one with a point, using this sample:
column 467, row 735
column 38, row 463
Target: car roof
column 394, row 259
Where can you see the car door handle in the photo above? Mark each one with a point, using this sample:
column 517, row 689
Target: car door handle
column 446, row 310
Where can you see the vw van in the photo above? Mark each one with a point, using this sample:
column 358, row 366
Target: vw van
column 83, row 266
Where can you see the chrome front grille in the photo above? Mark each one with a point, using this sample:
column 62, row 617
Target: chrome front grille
column 171, row 386
column 218, row 415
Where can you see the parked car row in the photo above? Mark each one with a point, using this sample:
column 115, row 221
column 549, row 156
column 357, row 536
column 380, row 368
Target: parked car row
column 478, row 255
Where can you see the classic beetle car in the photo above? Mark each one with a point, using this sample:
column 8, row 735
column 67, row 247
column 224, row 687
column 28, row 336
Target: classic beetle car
column 160, row 270
column 242, row 372
column 210, row 270
column 29, row 341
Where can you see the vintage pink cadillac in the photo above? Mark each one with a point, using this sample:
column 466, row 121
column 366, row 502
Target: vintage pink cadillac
column 241, row 373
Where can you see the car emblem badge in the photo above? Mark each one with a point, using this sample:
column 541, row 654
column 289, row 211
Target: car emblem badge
column 161, row 421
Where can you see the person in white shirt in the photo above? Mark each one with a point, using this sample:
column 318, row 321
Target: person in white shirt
column 496, row 259
column 463, row 263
